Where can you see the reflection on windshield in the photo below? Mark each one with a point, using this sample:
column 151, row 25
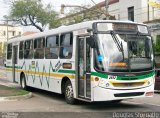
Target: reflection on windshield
column 135, row 54
column 139, row 48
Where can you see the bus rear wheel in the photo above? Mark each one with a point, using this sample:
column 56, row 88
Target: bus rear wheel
column 23, row 82
column 68, row 92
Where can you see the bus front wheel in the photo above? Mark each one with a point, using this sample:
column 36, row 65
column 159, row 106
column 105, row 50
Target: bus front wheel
column 23, row 82
column 68, row 92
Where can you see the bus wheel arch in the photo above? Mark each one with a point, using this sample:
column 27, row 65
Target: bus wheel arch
column 64, row 80
column 67, row 90
column 23, row 81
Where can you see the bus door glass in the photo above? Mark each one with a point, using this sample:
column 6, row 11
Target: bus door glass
column 84, row 81
column 14, row 62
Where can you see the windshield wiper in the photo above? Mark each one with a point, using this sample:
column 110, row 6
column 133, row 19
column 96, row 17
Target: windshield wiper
column 117, row 42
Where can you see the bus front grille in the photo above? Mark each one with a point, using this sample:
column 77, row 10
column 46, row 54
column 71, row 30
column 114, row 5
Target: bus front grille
column 129, row 84
column 129, row 94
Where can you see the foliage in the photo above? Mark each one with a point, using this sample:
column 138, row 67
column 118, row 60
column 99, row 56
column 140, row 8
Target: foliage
column 33, row 13
column 85, row 13
column 154, row 4
column 1, row 51
column 78, row 14
column 157, row 45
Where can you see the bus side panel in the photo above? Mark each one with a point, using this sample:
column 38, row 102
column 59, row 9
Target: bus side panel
column 39, row 74
column 9, row 62
column 9, row 70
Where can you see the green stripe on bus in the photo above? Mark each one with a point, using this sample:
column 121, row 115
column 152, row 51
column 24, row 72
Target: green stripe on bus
column 124, row 77
column 136, row 77
column 66, row 71
column 99, row 75
column 17, row 67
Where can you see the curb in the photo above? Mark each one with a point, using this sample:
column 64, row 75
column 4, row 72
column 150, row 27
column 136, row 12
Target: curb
column 16, row 98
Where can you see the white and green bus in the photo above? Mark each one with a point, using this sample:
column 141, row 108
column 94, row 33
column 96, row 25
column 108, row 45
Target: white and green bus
column 92, row 61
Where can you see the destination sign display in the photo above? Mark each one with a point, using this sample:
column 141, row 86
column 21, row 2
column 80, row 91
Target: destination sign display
column 122, row 27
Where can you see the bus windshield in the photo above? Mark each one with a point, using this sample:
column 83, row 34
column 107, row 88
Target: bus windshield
column 123, row 52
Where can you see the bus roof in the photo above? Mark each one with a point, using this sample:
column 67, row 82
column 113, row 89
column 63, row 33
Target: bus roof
column 65, row 29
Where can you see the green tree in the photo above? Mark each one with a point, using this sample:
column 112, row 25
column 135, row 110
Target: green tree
column 84, row 13
column 33, row 13
column 80, row 14
column 1, row 50
column 157, row 45
column 154, row 4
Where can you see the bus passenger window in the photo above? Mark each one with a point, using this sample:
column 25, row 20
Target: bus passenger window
column 52, row 47
column 28, row 49
column 21, row 50
column 66, row 46
column 39, row 48
column 9, row 51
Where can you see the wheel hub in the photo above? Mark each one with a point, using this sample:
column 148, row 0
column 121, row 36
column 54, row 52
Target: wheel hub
column 69, row 92
column 23, row 84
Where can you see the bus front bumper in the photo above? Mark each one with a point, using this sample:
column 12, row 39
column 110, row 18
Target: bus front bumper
column 104, row 94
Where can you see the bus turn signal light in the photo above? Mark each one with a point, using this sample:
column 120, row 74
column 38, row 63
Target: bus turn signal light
column 96, row 79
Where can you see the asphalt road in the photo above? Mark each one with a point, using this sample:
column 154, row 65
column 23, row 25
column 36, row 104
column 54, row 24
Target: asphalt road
column 49, row 104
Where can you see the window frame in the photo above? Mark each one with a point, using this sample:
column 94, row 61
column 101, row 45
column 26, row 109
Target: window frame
column 131, row 13
column 21, row 50
column 68, row 46
column 53, row 47
column 9, row 51
column 30, row 49
column 38, row 47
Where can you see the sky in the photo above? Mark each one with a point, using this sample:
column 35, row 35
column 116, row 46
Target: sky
column 4, row 8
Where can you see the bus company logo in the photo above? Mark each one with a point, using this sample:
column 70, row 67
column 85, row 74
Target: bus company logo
column 33, row 64
column 129, row 84
column 57, row 66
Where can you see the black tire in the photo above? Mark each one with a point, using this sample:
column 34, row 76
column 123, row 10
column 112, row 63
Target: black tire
column 68, row 92
column 23, row 82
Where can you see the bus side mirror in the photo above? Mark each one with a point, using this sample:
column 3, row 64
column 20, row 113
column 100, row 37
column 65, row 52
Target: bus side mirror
column 91, row 41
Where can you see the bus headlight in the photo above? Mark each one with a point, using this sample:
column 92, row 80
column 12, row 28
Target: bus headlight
column 104, row 83
column 150, row 81
column 107, row 85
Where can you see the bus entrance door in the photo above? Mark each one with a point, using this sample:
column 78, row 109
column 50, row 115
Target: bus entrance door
column 14, row 62
column 84, row 69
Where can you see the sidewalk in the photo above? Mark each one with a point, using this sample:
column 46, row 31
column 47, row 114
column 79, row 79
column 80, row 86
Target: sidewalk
column 9, row 90
column 4, row 81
